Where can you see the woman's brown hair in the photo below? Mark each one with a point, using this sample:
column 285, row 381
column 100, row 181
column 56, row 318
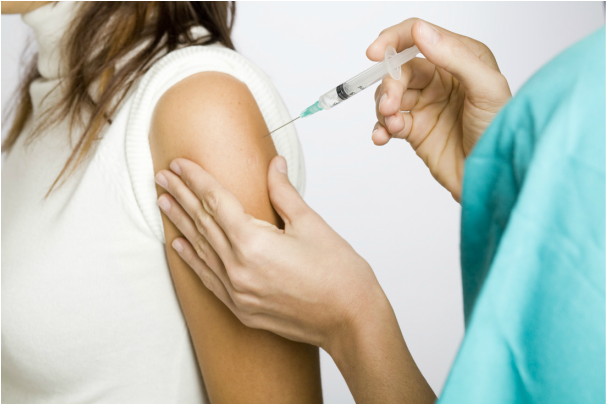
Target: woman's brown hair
column 100, row 75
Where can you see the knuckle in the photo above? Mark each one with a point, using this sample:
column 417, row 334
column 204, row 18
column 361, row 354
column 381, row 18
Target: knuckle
column 243, row 234
column 404, row 133
column 246, row 303
column 251, row 251
column 238, row 279
column 202, row 220
column 481, row 46
column 243, row 253
column 236, row 299
column 242, row 303
column 247, row 320
column 201, row 247
column 211, row 200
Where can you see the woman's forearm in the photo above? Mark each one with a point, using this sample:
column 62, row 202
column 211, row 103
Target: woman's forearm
column 374, row 359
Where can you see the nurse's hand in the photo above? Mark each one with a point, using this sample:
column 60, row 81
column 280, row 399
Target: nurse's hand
column 442, row 104
column 305, row 282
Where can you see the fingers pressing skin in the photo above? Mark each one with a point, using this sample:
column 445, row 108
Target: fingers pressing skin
column 219, row 202
column 205, row 223
column 186, row 226
column 209, row 278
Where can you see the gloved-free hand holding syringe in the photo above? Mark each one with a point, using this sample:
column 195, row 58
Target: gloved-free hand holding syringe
column 389, row 66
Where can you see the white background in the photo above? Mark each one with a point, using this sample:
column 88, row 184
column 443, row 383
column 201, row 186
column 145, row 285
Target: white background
column 381, row 199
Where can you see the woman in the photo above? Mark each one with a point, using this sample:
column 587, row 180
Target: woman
column 533, row 231
column 89, row 310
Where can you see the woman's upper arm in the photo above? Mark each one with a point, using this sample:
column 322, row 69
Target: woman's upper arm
column 212, row 119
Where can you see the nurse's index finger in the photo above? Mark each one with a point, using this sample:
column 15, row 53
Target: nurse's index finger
column 220, row 203
column 399, row 36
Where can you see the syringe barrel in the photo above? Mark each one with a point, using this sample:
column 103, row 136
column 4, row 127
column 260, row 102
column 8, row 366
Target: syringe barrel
column 390, row 65
column 349, row 88
column 365, row 79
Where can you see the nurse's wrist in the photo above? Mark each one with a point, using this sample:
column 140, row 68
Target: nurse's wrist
column 360, row 327
column 372, row 307
column 373, row 358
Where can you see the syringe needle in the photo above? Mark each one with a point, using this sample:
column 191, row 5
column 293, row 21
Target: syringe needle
column 281, row 126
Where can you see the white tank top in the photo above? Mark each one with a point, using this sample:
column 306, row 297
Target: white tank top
column 89, row 312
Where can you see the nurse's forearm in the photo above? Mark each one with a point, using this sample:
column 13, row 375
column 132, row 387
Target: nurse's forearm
column 375, row 361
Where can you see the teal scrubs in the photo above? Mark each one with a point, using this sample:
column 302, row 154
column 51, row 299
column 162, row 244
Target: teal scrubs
column 533, row 242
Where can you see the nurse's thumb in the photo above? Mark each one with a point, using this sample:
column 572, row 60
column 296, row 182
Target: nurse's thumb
column 284, row 197
column 451, row 54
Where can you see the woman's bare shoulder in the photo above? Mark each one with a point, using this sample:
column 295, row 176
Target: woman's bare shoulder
column 212, row 118
column 212, row 107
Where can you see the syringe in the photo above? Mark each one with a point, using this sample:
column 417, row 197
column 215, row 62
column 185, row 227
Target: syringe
column 389, row 66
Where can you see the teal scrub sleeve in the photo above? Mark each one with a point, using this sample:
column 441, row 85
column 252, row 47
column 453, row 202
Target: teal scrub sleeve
column 533, row 242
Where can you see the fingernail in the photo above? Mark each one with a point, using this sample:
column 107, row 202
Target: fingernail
column 164, row 203
column 177, row 246
column 175, row 168
column 281, row 165
column 428, row 32
column 375, row 128
column 388, row 121
column 162, row 181
column 382, row 99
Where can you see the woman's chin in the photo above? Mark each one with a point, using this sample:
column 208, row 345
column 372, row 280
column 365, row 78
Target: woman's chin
column 21, row 7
